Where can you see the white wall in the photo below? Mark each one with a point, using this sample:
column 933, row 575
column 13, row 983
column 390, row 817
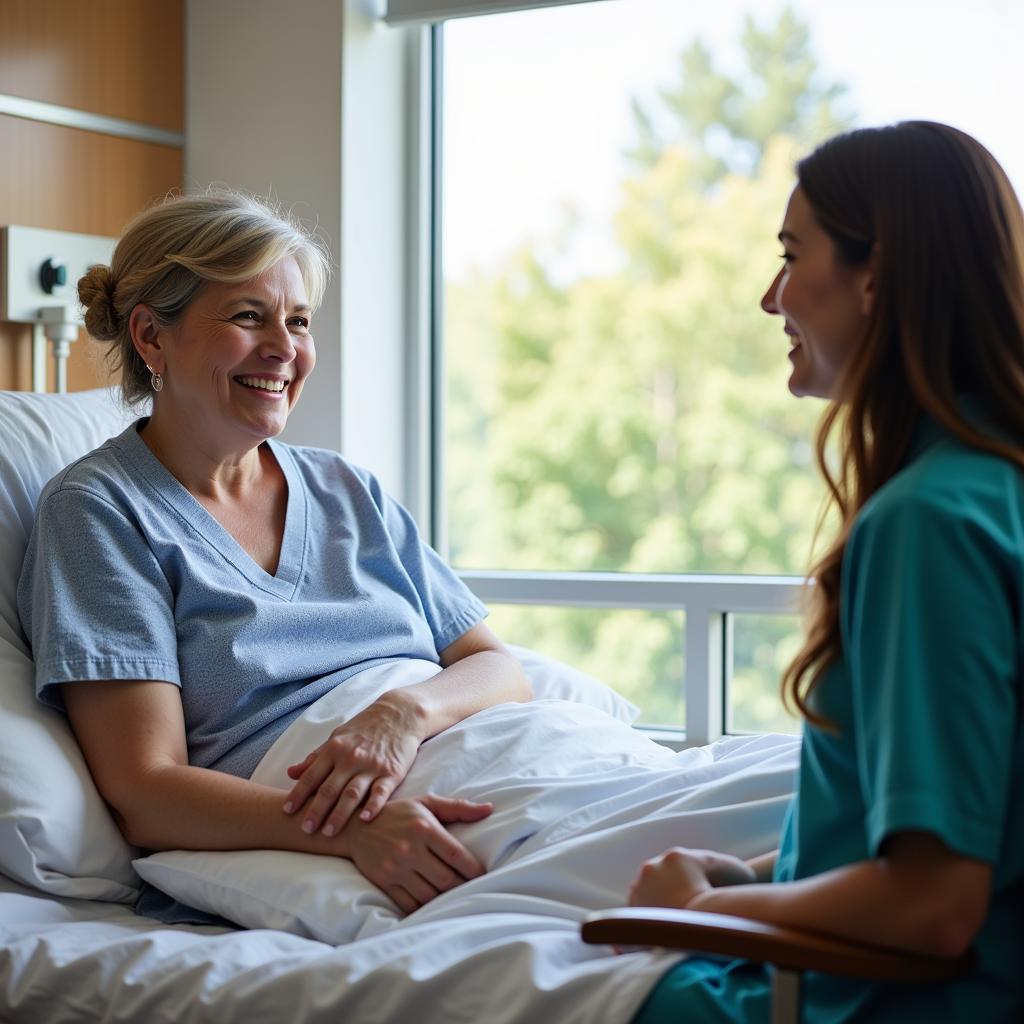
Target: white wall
column 307, row 99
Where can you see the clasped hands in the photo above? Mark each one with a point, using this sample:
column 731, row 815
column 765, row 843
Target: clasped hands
column 403, row 846
column 344, row 788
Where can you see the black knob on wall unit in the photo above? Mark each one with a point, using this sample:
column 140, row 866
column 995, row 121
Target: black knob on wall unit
column 52, row 275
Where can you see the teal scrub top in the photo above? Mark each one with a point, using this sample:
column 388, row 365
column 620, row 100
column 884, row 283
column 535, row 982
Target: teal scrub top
column 927, row 701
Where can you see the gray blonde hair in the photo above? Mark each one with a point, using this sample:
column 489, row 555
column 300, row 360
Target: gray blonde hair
column 169, row 251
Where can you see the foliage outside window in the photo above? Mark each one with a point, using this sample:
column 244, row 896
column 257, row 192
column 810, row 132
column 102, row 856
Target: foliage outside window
column 637, row 420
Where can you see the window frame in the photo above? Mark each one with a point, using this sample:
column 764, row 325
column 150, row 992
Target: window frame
column 420, row 12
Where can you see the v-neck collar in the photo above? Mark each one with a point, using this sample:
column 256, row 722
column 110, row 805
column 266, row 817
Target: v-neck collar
column 284, row 582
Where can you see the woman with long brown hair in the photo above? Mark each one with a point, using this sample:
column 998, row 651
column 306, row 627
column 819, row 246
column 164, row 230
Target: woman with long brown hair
column 902, row 294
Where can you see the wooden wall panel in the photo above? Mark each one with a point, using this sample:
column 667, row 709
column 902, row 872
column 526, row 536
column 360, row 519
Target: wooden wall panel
column 15, row 358
column 73, row 180
column 122, row 58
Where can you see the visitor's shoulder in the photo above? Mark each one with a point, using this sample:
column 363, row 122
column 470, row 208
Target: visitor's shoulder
column 950, row 485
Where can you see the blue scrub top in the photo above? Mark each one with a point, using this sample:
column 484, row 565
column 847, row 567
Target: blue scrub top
column 128, row 576
column 927, row 701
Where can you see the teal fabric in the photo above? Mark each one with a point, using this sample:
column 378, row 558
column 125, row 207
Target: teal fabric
column 698, row 991
column 927, row 700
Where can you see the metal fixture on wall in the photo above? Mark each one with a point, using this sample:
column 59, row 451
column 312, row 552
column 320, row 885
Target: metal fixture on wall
column 39, row 272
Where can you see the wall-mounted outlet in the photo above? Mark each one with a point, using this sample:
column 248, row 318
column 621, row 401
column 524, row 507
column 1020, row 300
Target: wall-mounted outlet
column 40, row 268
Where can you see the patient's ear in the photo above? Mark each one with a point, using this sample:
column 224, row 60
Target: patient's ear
column 145, row 333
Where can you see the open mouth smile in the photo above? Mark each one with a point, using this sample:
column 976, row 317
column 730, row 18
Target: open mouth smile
column 268, row 385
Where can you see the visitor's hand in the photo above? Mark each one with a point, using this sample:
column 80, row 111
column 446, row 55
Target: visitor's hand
column 678, row 875
column 360, row 765
column 407, row 851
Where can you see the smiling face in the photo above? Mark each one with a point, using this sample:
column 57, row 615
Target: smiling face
column 825, row 304
column 235, row 362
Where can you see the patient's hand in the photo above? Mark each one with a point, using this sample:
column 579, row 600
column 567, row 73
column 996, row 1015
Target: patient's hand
column 365, row 759
column 407, row 851
column 678, row 875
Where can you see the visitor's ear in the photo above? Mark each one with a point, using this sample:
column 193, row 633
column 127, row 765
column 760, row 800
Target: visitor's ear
column 869, row 282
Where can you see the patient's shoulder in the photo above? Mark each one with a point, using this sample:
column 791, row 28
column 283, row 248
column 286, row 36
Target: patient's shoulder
column 95, row 471
column 104, row 473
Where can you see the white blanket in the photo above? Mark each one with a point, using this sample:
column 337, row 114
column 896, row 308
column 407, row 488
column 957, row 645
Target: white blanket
column 581, row 799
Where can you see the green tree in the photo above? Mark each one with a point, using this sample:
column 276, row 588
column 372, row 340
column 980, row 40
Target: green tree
column 639, row 421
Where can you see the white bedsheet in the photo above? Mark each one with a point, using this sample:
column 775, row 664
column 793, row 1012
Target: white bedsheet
column 64, row 961
column 582, row 800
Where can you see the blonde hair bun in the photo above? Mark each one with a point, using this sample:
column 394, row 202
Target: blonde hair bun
column 96, row 293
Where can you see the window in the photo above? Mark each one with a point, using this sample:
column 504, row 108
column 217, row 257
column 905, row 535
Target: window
column 615, row 412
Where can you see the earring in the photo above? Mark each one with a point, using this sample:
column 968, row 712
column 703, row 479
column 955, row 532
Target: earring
column 156, row 381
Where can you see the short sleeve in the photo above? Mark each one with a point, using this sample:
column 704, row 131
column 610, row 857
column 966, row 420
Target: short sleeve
column 93, row 600
column 929, row 627
column 449, row 606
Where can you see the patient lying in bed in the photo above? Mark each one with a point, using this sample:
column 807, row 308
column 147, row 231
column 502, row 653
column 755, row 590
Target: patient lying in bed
column 297, row 670
column 205, row 583
column 579, row 797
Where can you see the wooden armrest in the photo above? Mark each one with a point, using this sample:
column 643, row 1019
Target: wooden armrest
column 788, row 948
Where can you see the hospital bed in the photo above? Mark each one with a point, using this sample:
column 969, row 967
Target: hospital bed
column 320, row 943
column 582, row 798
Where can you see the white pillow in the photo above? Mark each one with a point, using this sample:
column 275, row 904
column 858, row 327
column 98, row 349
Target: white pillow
column 317, row 897
column 41, row 434
column 555, row 680
column 56, row 833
